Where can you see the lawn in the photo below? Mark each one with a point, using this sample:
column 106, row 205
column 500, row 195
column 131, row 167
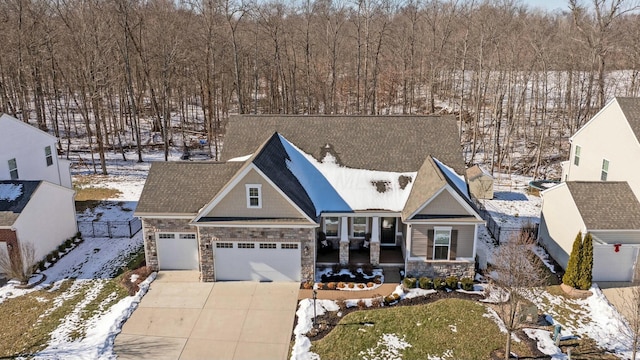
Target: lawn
column 449, row 328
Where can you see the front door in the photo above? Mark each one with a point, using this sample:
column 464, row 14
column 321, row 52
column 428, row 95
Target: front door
column 388, row 231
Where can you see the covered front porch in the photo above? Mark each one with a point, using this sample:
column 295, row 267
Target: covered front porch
column 361, row 238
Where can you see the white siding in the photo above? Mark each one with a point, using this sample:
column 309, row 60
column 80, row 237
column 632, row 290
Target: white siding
column 48, row 219
column 560, row 223
column 618, row 237
column 609, row 265
column 26, row 144
column 607, row 136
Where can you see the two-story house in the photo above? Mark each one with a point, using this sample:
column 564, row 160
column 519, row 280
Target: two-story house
column 36, row 195
column 600, row 193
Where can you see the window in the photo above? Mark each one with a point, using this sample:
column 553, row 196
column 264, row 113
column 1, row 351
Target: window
column 187, row 236
column 166, row 236
column 254, row 196
column 331, row 226
column 48, row 155
column 576, row 156
column 289, row 246
column 268, row 246
column 246, row 245
column 13, row 169
column 359, row 227
column 441, row 243
column 605, row 170
column 223, row 245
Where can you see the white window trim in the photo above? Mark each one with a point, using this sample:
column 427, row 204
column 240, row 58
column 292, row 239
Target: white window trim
column 324, row 226
column 366, row 226
column 248, row 187
column 48, row 156
column 576, row 150
column 603, row 171
column 11, row 170
column 441, row 228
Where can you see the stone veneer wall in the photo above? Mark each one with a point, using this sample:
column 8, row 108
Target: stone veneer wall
column 441, row 269
column 306, row 237
column 151, row 226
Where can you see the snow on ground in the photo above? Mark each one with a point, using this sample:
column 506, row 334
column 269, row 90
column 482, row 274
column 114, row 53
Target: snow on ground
column 511, row 205
column 388, row 348
column 545, row 343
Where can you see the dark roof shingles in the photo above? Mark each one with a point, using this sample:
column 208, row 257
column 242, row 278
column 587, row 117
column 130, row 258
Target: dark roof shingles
column 631, row 108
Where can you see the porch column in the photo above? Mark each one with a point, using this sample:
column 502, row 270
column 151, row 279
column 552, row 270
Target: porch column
column 374, row 245
column 344, row 240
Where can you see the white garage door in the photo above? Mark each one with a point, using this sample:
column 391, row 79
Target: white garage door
column 609, row 265
column 256, row 261
column 177, row 251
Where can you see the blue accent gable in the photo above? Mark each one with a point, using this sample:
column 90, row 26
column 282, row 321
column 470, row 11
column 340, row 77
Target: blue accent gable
column 322, row 193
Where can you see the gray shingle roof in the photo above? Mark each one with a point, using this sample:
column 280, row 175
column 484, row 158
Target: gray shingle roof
column 631, row 108
column 385, row 143
column 606, row 205
column 183, row 187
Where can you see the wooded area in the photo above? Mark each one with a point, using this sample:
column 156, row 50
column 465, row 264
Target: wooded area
column 114, row 73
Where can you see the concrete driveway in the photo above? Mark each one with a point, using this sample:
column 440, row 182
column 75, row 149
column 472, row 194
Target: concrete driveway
column 181, row 318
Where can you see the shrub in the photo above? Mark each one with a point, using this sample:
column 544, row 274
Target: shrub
column 335, row 268
column 409, row 283
column 425, row 283
column 361, row 304
column 390, row 299
column 68, row 243
column 571, row 275
column 351, row 285
column 331, row 286
column 585, row 271
column 439, row 284
column 361, row 286
column 376, row 301
column 320, row 286
column 50, row 258
column 353, row 268
column 307, row 285
column 367, row 269
column 377, row 280
column 370, row 284
column 341, row 285
column 62, row 247
column 452, row 282
column 466, row 283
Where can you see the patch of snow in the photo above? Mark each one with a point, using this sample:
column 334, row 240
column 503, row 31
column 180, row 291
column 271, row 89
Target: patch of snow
column 493, row 315
column 10, row 192
column 545, row 343
column 413, row 293
column 322, row 193
column 240, row 158
column 542, row 254
column 448, row 354
column 302, row 344
column 453, row 328
column 457, row 180
column 388, row 348
column 356, row 187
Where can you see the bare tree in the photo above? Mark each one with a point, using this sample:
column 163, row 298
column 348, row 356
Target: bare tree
column 18, row 263
column 516, row 274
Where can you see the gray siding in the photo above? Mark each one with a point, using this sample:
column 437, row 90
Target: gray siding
column 419, row 240
column 444, row 204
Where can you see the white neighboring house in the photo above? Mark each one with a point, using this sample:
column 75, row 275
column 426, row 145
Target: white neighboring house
column 36, row 196
column 600, row 193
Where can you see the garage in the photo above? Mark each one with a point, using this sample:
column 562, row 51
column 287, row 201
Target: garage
column 177, row 251
column 257, row 261
column 610, row 264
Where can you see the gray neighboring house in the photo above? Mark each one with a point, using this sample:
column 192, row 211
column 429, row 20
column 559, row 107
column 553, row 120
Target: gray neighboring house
column 608, row 210
column 294, row 192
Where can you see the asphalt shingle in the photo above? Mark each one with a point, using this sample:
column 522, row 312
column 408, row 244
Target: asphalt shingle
column 606, row 205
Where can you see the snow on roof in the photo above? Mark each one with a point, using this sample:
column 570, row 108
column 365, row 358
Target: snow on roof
column 240, row 158
column 321, row 192
column 10, row 192
column 360, row 189
column 456, row 179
